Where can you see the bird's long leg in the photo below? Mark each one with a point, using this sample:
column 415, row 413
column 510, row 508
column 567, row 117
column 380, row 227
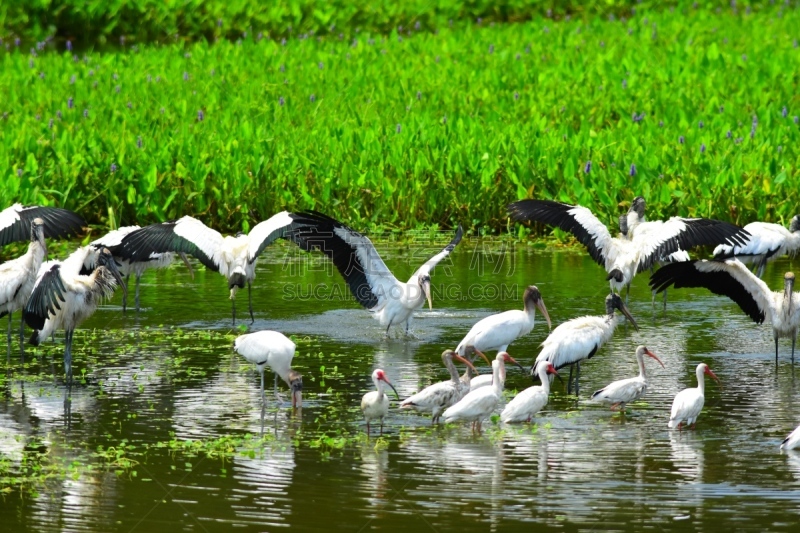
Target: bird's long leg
column 278, row 396
column 569, row 380
column 665, row 300
column 68, row 354
column 367, row 428
column 263, row 394
column 125, row 295
column 21, row 336
column 794, row 339
column 381, row 426
column 138, row 277
column 250, row 303
column 776, row 349
column 8, row 357
column 577, row 379
column 233, row 304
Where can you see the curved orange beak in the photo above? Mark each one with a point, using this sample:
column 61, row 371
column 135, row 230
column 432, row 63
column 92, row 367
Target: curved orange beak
column 654, row 356
column 466, row 362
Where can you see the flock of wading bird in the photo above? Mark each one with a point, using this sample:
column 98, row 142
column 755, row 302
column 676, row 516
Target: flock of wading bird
column 61, row 294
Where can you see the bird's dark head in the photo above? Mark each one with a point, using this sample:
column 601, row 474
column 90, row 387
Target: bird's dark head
column 37, row 230
column 616, row 275
column 794, row 224
column 532, row 298
column 425, row 286
column 623, row 224
column 106, row 260
column 638, row 206
column 614, row 302
column 296, row 386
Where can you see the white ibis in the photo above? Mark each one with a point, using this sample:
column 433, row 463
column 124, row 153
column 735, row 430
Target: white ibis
column 370, row 280
column 530, row 401
column 689, row 402
column 733, row 279
column 233, row 257
column 18, row 276
column 436, row 398
column 622, row 392
column 375, row 404
column 274, row 350
column 624, row 258
column 767, row 242
column 63, row 296
column 113, row 239
column 480, row 403
column 792, row 441
column 580, row 338
column 15, row 222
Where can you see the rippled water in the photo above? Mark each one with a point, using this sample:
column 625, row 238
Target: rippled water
column 158, row 377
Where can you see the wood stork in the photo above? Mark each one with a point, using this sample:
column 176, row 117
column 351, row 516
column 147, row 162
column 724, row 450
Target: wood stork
column 436, row 398
column 689, row 402
column 113, row 239
column 619, row 393
column 767, row 242
column 480, row 403
column 530, row 401
column 233, row 257
column 623, row 258
column 65, row 295
column 375, row 404
column 731, row 278
column 372, row 284
column 580, row 338
column 18, row 276
column 792, row 441
column 15, row 222
column 272, row 349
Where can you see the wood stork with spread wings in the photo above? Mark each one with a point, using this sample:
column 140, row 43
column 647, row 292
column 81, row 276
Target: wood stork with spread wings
column 688, row 403
column 233, row 257
column 18, row 276
column 15, row 223
column 619, row 393
column 733, row 279
column 113, row 240
column 623, row 258
column 767, row 242
column 580, row 338
column 67, row 293
column 373, row 285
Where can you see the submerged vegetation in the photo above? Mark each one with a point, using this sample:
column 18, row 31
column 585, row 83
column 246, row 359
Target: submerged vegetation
column 695, row 110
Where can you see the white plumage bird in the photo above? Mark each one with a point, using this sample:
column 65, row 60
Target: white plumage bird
column 276, row 351
column 530, row 401
column 436, row 398
column 622, row 392
column 371, row 283
column 113, row 239
column 624, row 258
column 766, row 243
column 18, row 276
column 480, row 403
column 580, row 338
column 689, row 402
column 733, row 279
column 375, row 404
column 233, row 257
column 792, row 441
column 67, row 293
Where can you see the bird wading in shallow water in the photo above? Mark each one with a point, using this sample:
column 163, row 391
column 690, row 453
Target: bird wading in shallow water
column 375, row 404
column 622, row 392
column 530, row 401
column 689, row 402
column 274, row 350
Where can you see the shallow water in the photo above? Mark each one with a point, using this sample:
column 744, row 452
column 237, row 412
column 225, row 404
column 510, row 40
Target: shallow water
column 149, row 383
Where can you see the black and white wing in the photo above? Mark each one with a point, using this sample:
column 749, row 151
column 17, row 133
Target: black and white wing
column 46, row 298
column 353, row 255
column 425, row 269
column 572, row 218
column 187, row 235
column 15, row 223
column 730, row 278
column 657, row 240
column 265, row 233
column 113, row 239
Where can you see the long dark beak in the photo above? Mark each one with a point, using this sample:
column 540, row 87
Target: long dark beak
column 466, row 362
column 112, row 267
column 651, row 354
column 297, row 398
column 627, row 313
column 543, row 309
column 187, row 263
column 392, row 386
column 512, row 360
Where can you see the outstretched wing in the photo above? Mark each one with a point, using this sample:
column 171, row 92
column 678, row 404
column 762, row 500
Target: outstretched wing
column 46, row 298
column 266, row 232
column 353, row 254
column 658, row 240
column 426, row 268
column 187, row 235
column 572, row 218
column 113, row 239
column 731, row 278
column 15, row 223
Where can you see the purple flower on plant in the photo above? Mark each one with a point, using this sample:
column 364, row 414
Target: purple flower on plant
column 70, row 102
column 30, row 63
column 16, row 41
column 321, row 65
column 72, row 80
column 69, row 45
column 38, row 117
column 588, row 167
column 398, row 128
column 633, row 170
column 444, row 119
column 785, row 112
column 516, row 95
column 283, row 41
column 19, row 172
column 419, row 95
column 50, row 123
column 41, row 75
column 491, row 48
column 702, row 148
column 660, row 123
column 117, row 88
column 729, row 134
column 91, row 72
column 130, row 105
column 281, row 101
column 624, row 84
column 185, row 76
column 637, row 118
column 139, row 142
column 700, row 124
column 200, row 116
column 115, row 76
column 796, row 119
column 58, row 114
column 312, row 98
column 85, row 113
column 681, row 140
column 113, row 167
column 283, row 68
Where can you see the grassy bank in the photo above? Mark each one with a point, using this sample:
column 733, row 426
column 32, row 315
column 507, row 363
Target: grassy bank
column 695, row 110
